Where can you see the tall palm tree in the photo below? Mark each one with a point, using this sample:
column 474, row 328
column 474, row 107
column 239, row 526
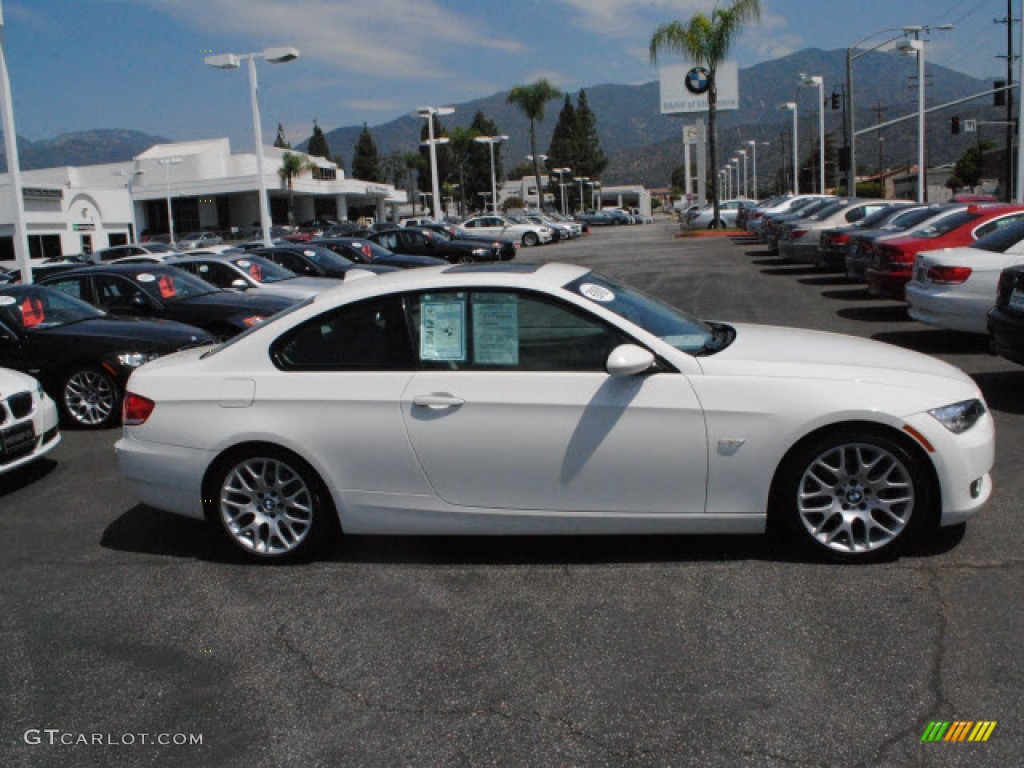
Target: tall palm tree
column 292, row 165
column 531, row 100
column 707, row 40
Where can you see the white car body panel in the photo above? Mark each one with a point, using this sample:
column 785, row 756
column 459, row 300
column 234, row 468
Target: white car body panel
column 540, row 452
column 42, row 416
column 505, row 229
column 960, row 306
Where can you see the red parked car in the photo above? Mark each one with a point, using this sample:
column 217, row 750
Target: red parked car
column 893, row 260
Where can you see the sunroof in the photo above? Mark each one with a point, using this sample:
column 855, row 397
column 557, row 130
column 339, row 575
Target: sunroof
column 519, row 267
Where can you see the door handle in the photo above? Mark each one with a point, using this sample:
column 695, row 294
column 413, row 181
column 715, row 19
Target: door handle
column 438, row 400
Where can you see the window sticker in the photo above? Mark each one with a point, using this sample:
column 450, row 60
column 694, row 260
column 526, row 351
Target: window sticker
column 7, row 301
column 597, row 293
column 32, row 313
column 204, row 268
column 243, row 263
column 443, row 330
column 495, row 329
column 145, row 277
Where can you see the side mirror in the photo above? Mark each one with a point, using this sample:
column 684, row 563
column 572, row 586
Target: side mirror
column 629, row 360
column 239, row 284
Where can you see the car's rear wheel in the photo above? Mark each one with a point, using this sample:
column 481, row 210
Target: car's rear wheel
column 855, row 495
column 90, row 398
column 271, row 504
column 530, row 239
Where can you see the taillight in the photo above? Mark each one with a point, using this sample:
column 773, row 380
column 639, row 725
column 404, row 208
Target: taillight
column 136, row 409
column 949, row 275
column 890, row 256
column 798, row 233
column 840, row 239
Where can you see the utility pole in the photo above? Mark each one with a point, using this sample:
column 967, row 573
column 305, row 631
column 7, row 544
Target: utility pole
column 1009, row 167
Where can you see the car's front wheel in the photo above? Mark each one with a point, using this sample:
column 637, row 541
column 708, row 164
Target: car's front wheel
column 854, row 495
column 530, row 239
column 271, row 504
column 90, row 398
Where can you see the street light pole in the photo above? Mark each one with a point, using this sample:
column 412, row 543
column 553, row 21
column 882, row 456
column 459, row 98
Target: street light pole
column 791, row 105
column 561, row 183
column 167, row 162
column 490, row 141
column 428, row 113
column 21, row 250
column 811, row 81
column 233, row 61
column 131, row 199
column 582, row 180
column 910, row 48
column 746, row 188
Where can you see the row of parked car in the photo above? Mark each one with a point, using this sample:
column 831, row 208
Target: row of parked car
column 959, row 266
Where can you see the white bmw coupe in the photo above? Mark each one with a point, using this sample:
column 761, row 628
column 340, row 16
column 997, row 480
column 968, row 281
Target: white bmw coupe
column 524, row 399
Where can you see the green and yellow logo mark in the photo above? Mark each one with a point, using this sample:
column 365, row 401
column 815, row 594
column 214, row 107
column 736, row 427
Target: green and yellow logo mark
column 958, row 730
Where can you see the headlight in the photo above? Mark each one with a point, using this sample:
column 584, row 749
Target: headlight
column 135, row 359
column 252, row 320
column 481, row 252
column 959, row 417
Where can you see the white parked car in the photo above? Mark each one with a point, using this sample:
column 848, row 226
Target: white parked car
column 527, row 399
column 194, row 240
column 28, row 420
column 955, row 288
column 727, row 210
column 504, row 229
column 237, row 270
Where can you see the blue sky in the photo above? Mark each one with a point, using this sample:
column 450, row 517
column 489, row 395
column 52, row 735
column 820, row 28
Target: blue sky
column 138, row 64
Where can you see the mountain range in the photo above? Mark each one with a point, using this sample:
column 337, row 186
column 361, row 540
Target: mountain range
column 644, row 145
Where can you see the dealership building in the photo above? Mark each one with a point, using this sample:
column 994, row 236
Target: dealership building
column 82, row 209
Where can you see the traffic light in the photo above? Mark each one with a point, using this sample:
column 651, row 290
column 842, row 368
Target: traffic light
column 955, row 125
column 835, row 101
column 999, row 97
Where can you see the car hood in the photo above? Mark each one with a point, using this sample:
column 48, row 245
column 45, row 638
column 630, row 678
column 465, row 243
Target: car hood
column 151, row 333
column 411, row 260
column 776, row 352
column 12, row 382
column 255, row 301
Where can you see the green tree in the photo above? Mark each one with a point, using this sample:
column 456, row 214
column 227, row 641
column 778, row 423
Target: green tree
column 366, row 158
column 281, row 142
column 563, row 151
column 591, row 159
column 968, row 169
column 292, row 165
column 318, row 142
column 532, row 100
column 460, row 147
column 707, row 40
column 478, row 170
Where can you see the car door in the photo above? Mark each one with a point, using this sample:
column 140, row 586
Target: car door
column 121, row 297
column 412, row 243
column 512, row 408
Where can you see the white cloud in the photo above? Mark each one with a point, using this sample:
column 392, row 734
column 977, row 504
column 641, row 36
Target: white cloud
column 626, row 18
column 388, row 38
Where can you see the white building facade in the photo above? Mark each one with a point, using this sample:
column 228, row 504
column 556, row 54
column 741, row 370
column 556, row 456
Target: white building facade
column 72, row 210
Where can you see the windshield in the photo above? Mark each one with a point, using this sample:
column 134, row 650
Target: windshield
column 1001, row 240
column 911, row 218
column 170, row 283
column 669, row 324
column 35, row 307
column 325, row 257
column 945, row 224
column 877, row 218
column 825, row 211
column 369, row 250
column 262, row 270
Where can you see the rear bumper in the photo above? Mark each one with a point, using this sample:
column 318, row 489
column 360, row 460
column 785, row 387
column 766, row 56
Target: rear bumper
column 887, row 285
column 167, row 477
column 942, row 310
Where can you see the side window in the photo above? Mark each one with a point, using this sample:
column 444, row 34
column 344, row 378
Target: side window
column 72, row 286
column 473, row 224
column 289, row 260
column 220, row 275
column 492, row 330
column 370, row 335
column 112, row 291
column 992, row 226
column 855, row 214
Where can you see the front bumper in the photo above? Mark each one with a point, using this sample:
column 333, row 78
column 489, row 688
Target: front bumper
column 43, row 418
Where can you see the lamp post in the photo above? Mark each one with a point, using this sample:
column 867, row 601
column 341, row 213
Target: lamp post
column 167, row 162
column 753, row 162
column 811, row 81
column 911, row 48
column 595, row 201
column 21, row 250
column 490, row 141
column 746, row 189
column 561, row 183
column 428, row 113
column 233, row 61
column 131, row 200
column 724, row 175
column 796, row 172
column 540, row 193
column 582, row 180
column 735, row 163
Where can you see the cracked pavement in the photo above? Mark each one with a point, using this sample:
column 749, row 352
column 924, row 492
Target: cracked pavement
column 612, row 651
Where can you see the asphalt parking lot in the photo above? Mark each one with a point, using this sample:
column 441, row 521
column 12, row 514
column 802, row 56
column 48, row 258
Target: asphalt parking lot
column 124, row 622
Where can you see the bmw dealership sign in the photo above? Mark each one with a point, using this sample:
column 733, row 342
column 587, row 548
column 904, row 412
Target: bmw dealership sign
column 684, row 87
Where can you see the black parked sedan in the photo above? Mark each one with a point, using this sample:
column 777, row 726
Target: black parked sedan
column 82, row 356
column 366, row 254
column 1006, row 319
column 155, row 291
column 319, row 259
column 425, row 242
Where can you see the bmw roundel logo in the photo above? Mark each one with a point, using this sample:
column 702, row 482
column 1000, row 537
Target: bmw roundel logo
column 697, row 80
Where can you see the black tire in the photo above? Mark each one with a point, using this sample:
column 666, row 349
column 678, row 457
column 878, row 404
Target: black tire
column 841, row 496
column 530, row 239
column 464, row 258
column 248, row 493
column 90, row 398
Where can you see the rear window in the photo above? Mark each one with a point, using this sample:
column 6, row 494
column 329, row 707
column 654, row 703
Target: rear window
column 946, row 225
column 1001, row 240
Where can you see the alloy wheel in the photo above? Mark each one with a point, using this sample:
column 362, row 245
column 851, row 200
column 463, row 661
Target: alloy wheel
column 89, row 397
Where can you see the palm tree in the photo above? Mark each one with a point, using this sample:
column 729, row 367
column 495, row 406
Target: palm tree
column 531, row 100
column 292, row 165
column 707, row 42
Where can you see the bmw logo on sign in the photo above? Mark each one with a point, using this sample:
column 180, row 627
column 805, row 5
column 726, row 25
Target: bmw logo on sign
column 697, row 81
